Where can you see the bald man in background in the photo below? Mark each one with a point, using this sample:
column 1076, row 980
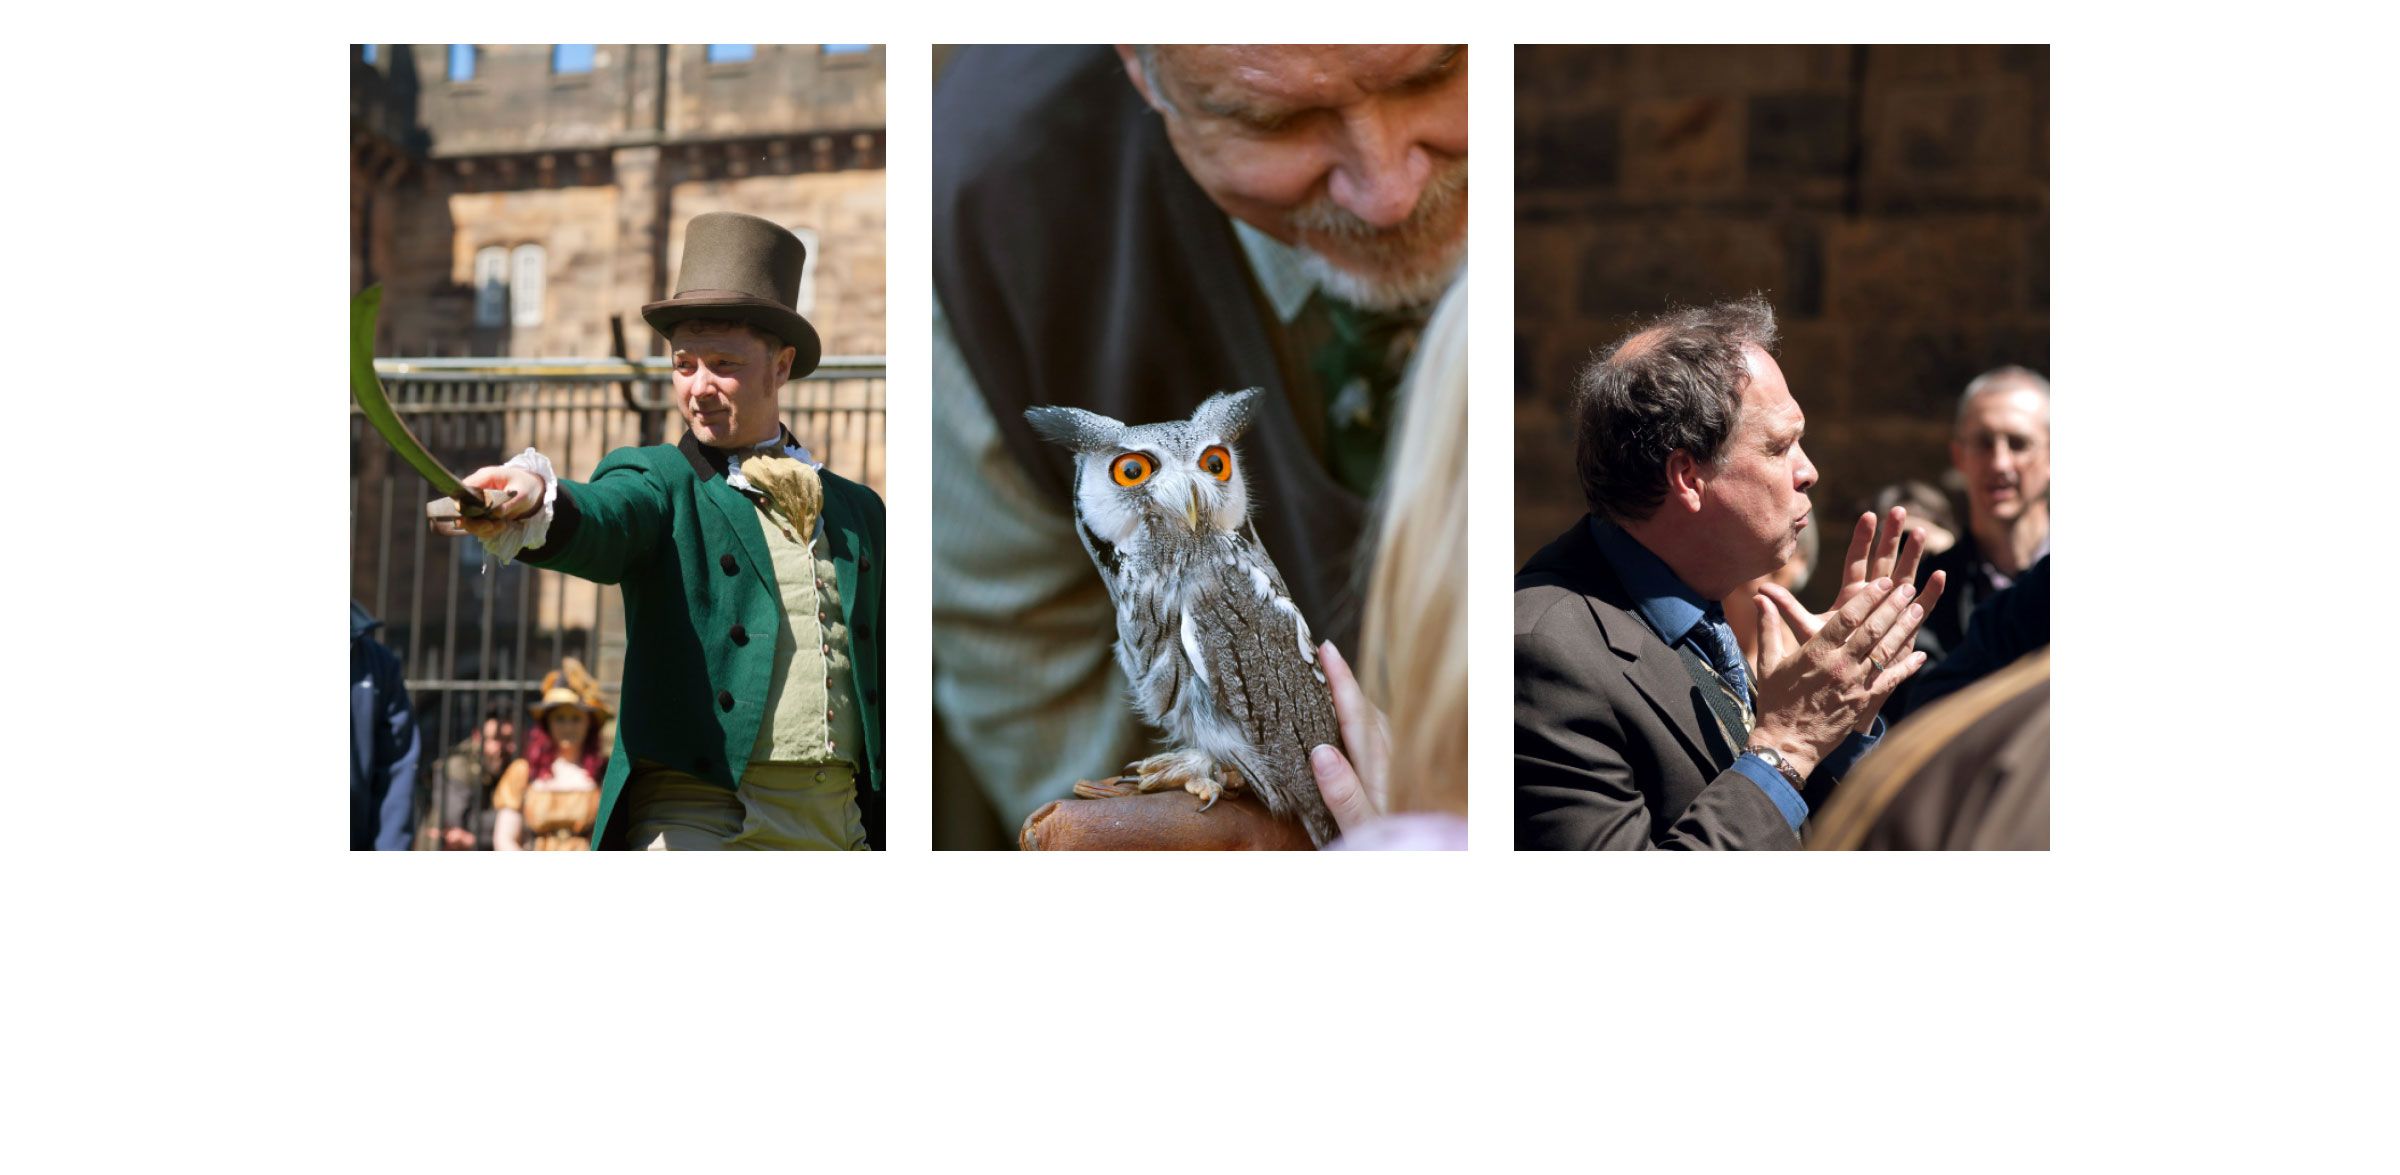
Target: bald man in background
column 2001, row 447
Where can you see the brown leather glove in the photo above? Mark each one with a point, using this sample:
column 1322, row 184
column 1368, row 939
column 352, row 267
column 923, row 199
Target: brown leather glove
column 1160, row 820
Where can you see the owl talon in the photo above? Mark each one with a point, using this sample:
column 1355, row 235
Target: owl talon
column 1212, row 788
column 1189, row 770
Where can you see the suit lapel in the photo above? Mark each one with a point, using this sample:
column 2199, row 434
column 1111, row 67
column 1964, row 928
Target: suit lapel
column 1659, row 676
column 733, row 510
column 1654, row 670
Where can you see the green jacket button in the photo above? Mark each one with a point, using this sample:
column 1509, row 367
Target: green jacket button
column 726, row 562
column 725, row 700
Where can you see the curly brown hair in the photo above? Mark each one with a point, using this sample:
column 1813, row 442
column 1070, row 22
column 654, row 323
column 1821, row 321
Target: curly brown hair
column 1674, row 384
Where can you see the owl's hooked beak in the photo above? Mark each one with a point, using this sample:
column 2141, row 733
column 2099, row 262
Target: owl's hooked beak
column 1191, row 512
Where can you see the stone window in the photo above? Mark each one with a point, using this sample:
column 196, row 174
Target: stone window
column 491, row 286
column 462, row 63
column 807, row 300
column 366, row 53
column 721, row 54
column 846, row 50
column 572, row 58
column 527, row 279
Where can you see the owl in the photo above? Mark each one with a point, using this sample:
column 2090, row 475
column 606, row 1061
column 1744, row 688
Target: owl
column 1217, row 654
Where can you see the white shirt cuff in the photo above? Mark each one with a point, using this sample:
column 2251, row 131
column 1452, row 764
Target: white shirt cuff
column 533, row 529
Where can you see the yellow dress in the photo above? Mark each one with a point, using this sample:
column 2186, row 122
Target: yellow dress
column 559, row 810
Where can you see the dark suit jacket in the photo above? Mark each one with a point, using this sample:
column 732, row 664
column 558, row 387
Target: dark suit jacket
column 1616, row 748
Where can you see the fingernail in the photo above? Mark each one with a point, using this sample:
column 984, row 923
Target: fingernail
column 1883, row 584
column 1323, row 758
column 1907, row 590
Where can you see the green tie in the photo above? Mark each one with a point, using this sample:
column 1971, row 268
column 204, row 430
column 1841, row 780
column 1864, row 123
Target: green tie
column 1358, row 368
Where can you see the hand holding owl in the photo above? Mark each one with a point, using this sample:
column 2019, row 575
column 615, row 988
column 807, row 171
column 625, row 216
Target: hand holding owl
column 1354, row 784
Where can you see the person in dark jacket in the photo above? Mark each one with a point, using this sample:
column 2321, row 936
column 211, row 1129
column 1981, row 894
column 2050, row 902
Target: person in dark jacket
column 383, row 741
column 2005, row 628
column 2001, row 449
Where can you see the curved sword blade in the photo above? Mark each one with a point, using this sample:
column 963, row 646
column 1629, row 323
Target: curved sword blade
column 367, row 390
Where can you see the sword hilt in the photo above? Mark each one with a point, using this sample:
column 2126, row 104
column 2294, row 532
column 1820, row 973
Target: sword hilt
column 467, row 503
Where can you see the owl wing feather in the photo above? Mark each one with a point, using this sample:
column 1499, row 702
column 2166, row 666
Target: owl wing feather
column 1261, row 679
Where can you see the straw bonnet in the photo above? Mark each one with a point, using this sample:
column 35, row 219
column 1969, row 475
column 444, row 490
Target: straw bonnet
column 572, row 676
column 556, row 697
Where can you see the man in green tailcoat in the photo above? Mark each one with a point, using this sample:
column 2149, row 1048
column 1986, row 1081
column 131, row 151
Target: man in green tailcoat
column 752, row 709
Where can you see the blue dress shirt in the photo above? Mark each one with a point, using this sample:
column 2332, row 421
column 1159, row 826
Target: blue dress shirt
column 1679, row 616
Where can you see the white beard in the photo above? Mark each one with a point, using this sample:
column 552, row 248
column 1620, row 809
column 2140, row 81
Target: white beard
column 1413, row 268
column 1407, row 291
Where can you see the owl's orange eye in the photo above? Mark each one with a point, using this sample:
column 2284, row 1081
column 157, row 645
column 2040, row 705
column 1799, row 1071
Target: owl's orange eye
column 1131, row 469
column 1217, row 463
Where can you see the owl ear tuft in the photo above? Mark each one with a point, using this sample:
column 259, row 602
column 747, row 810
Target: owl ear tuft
column 1227, row 414
column 1073, row 427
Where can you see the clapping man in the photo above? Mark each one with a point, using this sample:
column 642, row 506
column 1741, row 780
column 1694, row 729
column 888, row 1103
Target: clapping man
column 1639, row 725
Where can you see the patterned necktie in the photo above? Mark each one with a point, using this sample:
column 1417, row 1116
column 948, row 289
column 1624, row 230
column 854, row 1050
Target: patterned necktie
column 1714, row 638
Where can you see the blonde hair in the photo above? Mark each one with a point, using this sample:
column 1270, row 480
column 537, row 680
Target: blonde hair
column 1413, row 639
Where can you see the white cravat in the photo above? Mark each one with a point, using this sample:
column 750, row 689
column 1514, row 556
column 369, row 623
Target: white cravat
column 779, row 447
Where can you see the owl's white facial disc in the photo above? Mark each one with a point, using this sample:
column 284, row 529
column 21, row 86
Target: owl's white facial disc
column 1227, row 503
column 1111, row 511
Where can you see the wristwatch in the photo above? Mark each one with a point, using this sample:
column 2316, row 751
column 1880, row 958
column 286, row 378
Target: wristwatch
column 1781, row 765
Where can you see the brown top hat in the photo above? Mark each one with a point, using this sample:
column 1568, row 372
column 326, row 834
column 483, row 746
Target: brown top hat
column 741, row 268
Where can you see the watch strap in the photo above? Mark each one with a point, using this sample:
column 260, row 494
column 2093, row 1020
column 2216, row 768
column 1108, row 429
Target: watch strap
column 1782, row 766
